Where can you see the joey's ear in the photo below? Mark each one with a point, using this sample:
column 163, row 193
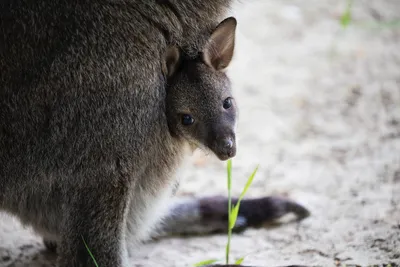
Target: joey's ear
column 171, row 61
column 218, row 51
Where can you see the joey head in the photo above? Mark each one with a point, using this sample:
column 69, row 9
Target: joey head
column 200, row 105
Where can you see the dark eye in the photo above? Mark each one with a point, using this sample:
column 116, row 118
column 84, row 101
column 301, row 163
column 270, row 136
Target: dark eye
column 227, row 103
column 187, row 120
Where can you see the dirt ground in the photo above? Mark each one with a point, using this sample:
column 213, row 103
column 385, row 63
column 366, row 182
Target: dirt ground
column 320, row 112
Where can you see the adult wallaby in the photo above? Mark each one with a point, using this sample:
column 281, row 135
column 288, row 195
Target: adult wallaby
column 85, row 147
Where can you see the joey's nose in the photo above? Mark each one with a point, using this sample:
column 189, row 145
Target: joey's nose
column 226, row 148
column 227, row 143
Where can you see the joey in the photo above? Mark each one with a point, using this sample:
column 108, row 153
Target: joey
column 200, row 106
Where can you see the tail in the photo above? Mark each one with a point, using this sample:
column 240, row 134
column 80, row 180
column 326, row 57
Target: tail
column 209, row 215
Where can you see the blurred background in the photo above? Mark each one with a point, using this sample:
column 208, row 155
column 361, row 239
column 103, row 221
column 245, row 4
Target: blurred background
column 318, row 88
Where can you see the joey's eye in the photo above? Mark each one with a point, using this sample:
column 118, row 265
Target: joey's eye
column 187, row 120
column 227, row 103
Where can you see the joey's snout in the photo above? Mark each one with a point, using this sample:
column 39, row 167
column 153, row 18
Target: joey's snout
column 225, row 147
column 227, row 143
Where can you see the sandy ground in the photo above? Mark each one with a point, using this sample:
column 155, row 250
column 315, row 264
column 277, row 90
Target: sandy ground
column 320, row 113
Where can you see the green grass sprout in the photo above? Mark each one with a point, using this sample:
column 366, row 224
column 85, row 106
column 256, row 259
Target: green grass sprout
column 233, row 213
column 346, row 18
column 239, row 261
column 235, row 210
column 206, row 262
column 90, row 253
column 228, row 244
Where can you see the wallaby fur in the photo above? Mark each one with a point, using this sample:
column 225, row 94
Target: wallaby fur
column 199, row 90
column 88, row 148
column 85, row 150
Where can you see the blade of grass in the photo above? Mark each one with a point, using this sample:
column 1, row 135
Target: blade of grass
column 345, row 19
column 239, row 261
column 248, row 183
column 228, row 244
column 380, row 25
column 233, row 214
column 90, row 253
column 235, row 211
column 206, row 262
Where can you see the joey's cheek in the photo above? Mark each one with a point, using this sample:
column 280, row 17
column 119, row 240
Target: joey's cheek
column 199, row 133
column 231, row 117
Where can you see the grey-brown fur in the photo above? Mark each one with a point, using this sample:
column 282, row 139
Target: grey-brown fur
column 84, row 140
column 198, row 86
column 199, row 89
column 86, row 150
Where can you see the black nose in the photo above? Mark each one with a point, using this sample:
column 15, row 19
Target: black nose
column 227, row 143
column 226, row 148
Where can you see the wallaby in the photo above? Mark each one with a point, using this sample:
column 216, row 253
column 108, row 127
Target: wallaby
column 201, row 110
column 86, row 154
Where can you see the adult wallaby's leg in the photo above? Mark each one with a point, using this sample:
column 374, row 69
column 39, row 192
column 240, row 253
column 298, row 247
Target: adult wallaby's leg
column 95, row 217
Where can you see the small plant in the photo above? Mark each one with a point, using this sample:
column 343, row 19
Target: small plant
column 90, row 253
column 345, row 19
column 232, row 215
column 206, row 262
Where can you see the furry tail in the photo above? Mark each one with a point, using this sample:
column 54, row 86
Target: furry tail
column 209, row 215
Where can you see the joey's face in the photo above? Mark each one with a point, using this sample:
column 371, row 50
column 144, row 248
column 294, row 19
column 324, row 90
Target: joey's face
column 200, row 105
column 202, row 110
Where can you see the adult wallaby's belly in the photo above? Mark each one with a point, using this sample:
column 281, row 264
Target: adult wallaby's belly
column 145, row 212
column 152, row 195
